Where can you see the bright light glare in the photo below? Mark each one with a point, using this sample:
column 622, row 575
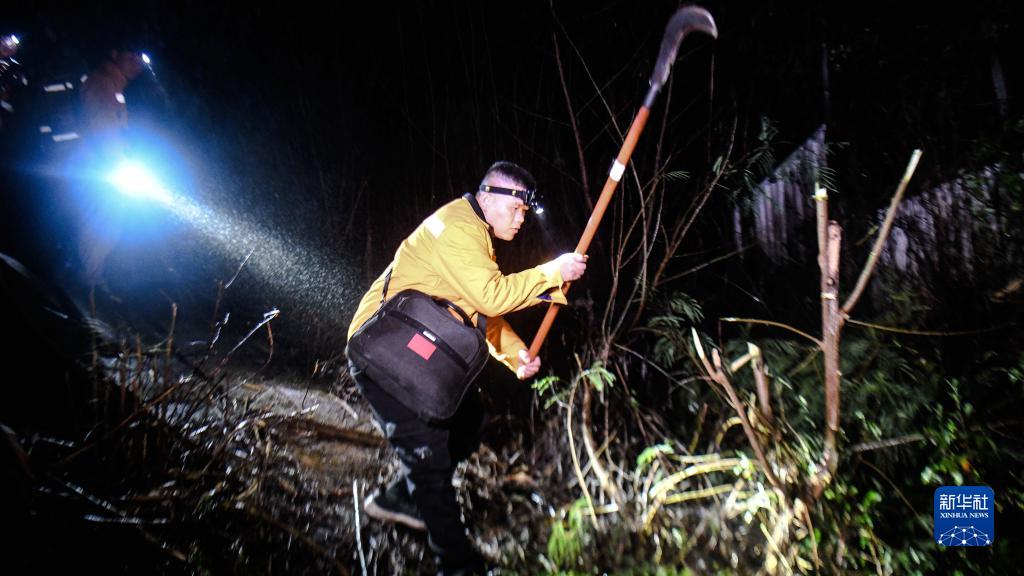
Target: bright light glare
column 539, row 211
column 134, row 180
column 15, row 40
column 145, row 59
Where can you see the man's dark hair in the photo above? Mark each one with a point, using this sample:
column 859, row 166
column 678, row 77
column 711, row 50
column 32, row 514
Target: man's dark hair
column 513, row 172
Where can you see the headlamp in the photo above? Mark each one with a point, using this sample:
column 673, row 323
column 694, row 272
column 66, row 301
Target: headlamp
column 135, row 181
column 529, row 197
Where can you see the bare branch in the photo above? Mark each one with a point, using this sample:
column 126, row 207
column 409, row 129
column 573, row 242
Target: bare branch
column 776, row 324
column 706, row 264
column 761, row 380
column 883, row 235
column 928, row 332
column 713, row 369
column 575, row 129
column 588, row 443
column 572, row 451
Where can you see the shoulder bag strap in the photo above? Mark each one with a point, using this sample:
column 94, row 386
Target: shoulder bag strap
column 481, row 319
column 387, row 280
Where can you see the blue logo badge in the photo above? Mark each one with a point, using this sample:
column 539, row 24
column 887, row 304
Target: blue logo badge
column 964, row 516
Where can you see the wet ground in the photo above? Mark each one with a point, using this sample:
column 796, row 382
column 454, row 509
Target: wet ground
column 266, row 463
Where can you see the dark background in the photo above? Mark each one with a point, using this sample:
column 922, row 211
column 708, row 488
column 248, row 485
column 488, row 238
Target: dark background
column 327, row 132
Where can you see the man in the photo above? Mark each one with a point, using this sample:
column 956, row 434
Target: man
column 451, row 255
column 12, row 78
column 104, row 118
column 103, row 104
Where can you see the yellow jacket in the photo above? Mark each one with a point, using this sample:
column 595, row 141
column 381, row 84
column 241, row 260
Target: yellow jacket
column 450, row 255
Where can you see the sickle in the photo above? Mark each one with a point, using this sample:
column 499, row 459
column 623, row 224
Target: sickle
column 687, row 19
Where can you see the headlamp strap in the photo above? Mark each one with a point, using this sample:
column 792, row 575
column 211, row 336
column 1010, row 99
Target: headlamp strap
column 527, row 196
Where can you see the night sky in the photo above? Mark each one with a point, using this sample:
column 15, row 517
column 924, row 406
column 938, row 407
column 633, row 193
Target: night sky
column 335, row 129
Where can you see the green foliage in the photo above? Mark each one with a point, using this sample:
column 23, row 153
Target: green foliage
column 824, row 175
column 761, row 160
column 687, row 307
column 911, row 420
column 598, row 376
column 907, row 427
column 671, row 322
column 856, row 514
column 565, row 544
column 650, row 454
column 1016, row 373
column 743, row 177
column 677, row 176
column 547, row 385
column 948, row 434
column 902, row 392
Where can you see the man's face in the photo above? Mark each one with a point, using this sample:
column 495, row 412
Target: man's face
column 8, row 46
column 504, row 213
column 130, row 64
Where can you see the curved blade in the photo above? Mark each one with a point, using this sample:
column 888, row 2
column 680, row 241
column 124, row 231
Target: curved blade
column 687, row 19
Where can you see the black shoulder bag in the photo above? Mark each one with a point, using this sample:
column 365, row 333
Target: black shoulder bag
column 418, row 352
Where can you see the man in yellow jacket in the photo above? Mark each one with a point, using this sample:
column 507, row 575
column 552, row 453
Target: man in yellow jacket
column 450, row 255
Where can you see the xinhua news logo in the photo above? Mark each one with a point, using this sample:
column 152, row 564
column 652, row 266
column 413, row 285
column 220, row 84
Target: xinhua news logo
column 965, row 516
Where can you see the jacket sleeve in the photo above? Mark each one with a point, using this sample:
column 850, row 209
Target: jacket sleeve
column 99, row 105
column 103, row 121
column 462, row 260
column 504, row 343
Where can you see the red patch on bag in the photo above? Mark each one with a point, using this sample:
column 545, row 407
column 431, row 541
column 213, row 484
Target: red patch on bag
column 421, row 346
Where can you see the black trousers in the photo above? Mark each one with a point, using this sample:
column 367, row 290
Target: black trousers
column 429, row 452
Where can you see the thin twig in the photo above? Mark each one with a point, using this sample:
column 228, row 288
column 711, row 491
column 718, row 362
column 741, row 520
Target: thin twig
column 239, row 271
column 270, row 342
column 761, row 380
column 683, row 224
column 697, row 494
column 298, row 535
column 575, row 129
column 883, row 235
column 572, row 451
column 927, row 332
column 653, row 364
column 589, row 445
column 914, row 513
column 330, row 432
column 714, row 369
column 125, row 520
column 358, row 526
column 887, row 443
column 109, row 507
column 776, row 324
column 170, row 343
column 267, row 317
column 660, row 490
column 701, row 266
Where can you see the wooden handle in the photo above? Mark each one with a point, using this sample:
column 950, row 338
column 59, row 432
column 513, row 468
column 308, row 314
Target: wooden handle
column 614, row 175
